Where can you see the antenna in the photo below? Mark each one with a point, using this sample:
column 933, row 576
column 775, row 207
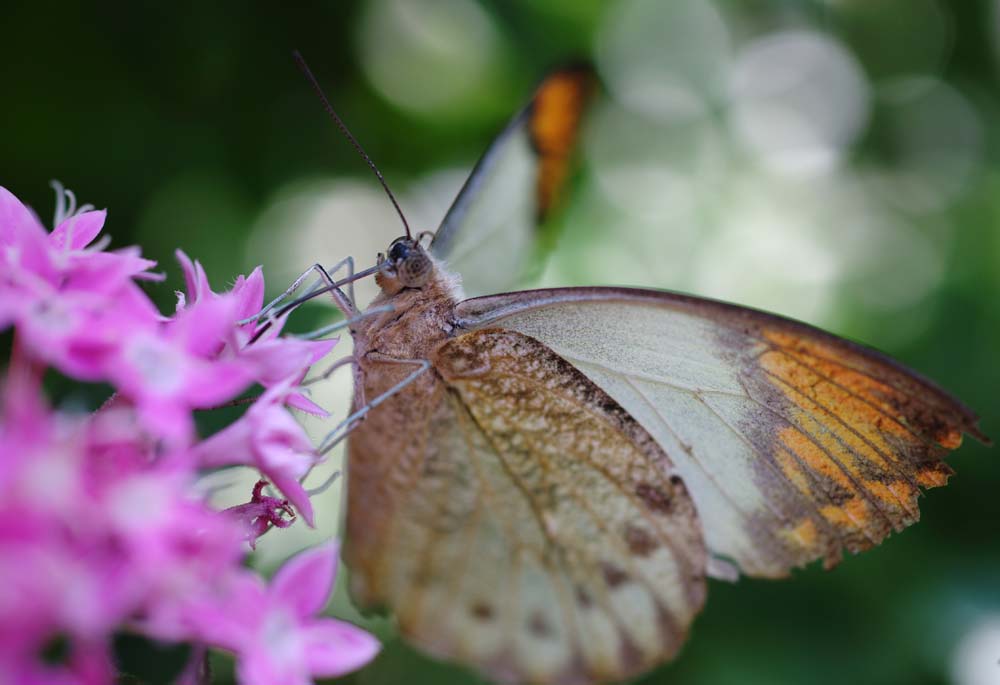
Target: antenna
column 347, row 134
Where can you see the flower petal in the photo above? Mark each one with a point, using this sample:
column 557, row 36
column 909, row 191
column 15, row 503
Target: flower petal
column 260, row 667
column 80, row 230
column 194, row 277
column 293, row 492
column 23, row 241
column 231, row 615
column 213, row 383
column 166, row 419
column 229, row 446
column 336, row 647
column 297, row 400
column 305, row 581
column 280, row 358
column 249, row 292
column 16, row 220
column 202, row 327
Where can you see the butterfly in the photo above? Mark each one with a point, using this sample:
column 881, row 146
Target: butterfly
column 543, row 480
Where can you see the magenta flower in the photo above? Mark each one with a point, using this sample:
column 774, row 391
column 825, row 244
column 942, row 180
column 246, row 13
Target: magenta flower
column 268, row 438
column 63, row 259
column 273, row 629
column 277, row 360
column 101, row 523
column 273, row 359
column 100, row 533
column 70, row 302
column 171, row 368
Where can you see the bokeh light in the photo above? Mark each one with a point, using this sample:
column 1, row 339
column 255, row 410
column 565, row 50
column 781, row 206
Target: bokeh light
column 934, row 137
column 975, row 661
column 664, row 59
column 798, row 101
column 434, row 57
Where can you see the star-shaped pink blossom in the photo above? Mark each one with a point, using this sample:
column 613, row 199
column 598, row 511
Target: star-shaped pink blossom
column 274, row 631
column 270, row 439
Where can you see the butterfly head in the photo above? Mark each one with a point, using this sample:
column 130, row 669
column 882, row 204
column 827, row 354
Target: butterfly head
column 406, row 264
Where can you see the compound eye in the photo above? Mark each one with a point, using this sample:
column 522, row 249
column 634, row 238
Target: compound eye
column 398, row 251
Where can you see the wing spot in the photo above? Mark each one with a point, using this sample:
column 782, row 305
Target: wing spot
column 639, row 541
column 583, row 598
column 654, row 497
column 482, row 611
column 539, row 626
column 613, row 575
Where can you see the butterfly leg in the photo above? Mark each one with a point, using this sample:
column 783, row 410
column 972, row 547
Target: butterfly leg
column 339, row 325
column 345, row 302
column 343, row 428
column 340, row 363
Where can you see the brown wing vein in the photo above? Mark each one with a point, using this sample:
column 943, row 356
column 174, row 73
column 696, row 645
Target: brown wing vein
column 805, row 467
column 887, row 382
column 544, row 462
column 890, row 461
column 840, row 466
column 603, row 472
column 764, row 405
column 861, row 398
column 847, row 448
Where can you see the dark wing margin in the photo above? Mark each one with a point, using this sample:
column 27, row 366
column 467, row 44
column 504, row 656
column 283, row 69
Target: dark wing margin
column 489, row 233
column 794, row 443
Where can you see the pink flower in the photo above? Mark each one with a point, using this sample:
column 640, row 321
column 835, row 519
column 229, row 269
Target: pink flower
column 268, row 438
column 80, row 333
column 62, row 260
column 273, row 630
column 71, row 302
column 273, row 359
column 171, row 368
column 102, row 533
column 276, row 360
column 100, row 519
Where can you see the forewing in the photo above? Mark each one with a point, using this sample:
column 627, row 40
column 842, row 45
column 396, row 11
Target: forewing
column 489, row 235
column 794, row 444
column 534, row 530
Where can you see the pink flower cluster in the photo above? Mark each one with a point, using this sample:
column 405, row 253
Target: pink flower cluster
column 102, row 529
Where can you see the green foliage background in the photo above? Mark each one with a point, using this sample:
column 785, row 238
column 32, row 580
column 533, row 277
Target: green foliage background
column 189, row 120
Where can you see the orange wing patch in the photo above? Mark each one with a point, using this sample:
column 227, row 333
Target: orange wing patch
column 863, row 437
column 554, row 124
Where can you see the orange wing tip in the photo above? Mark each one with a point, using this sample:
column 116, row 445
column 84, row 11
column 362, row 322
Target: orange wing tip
column 950, row 440
column 886, row 386
column 934, row 475
column 556, row 113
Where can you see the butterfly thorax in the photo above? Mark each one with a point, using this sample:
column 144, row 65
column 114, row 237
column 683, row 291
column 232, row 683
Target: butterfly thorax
column 418, row 320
